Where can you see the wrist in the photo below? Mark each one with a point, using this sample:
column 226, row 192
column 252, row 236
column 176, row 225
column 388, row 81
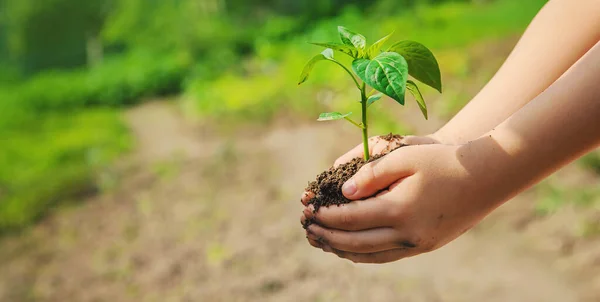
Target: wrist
column 499, row 165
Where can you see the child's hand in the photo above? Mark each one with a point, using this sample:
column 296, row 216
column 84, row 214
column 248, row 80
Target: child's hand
column 435, row 194
column 377, row 145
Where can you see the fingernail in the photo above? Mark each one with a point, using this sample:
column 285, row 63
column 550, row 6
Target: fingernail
column 349, row 188
column 326, row 248
column 312, row 236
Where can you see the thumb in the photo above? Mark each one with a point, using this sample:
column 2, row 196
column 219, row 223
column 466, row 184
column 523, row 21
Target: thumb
column 377, row 175
column 419, row 140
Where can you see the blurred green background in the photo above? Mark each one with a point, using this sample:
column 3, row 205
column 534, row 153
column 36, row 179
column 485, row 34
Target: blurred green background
column 71, row 71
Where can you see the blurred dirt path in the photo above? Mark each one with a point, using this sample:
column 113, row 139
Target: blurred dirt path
column 203, row 217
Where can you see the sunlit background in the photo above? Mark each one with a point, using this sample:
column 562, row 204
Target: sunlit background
column 155, row 150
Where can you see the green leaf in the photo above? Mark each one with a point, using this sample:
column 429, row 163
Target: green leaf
column 422, row 64
column 351, row 38
column 374, row 98
column 327, row 54
column 376, row 47
column 349, row 50
column 414, row 90
column 332, row 116
column 387, row 73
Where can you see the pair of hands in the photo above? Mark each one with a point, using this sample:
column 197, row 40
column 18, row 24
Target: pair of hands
column 431, row 196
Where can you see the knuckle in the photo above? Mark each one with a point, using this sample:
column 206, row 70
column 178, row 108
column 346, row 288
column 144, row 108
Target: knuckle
column 367, row 174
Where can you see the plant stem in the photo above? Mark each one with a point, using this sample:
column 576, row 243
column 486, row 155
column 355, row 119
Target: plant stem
column 365, row 128
column 371, row 93
column 353, row 122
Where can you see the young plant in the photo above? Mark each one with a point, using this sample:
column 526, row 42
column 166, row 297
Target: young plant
column 386, row 72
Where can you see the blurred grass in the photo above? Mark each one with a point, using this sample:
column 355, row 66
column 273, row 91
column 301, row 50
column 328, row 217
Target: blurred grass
column 553, row 196
column 118, row 81
column 63, row 152
column 591, row 161
column 59, row 127
column 265, row 84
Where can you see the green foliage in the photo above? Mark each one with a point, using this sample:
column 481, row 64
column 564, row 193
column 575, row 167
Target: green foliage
column 327, row 54
column 386, row 72
column 52, row 33
column 56, row 143
column 591, row 161
column 352, row 39
column 422, row 64
column 332, row 116
column 374, row 98
column 553, row 195
column 120, row 81
column 414, row 90
column 236, row 61
column 374, row 50
column 345, row 49
column 63, row 153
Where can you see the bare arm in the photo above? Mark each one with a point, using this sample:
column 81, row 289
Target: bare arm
column 557, row 127
column 559, row 35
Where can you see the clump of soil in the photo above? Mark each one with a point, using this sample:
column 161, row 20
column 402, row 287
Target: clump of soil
column 328, row 185
column 392, row 138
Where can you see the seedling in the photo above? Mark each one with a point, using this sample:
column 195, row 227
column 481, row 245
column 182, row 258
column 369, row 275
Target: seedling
column 386, row 72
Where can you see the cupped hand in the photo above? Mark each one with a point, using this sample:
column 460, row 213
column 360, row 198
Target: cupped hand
column 432, row 194
column 377, row 145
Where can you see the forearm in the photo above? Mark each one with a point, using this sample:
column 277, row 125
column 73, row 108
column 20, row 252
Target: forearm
column 556, row 127
column 558, row 36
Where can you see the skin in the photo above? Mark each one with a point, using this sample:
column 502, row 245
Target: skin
column 434, row 193
column 443, row 185
column 536, row 56
column 556, row 38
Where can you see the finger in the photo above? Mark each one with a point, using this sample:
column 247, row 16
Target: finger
column 419, row 140
column 357, row 215
column 376, row 258
column 306, row 197
column 355, row 152
column 305, row 220
column 314, row 243
column 376, row 146
column 368, row 241
column 378, row 175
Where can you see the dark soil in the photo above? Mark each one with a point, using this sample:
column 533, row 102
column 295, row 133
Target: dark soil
column 328, row 185
column 391, row 138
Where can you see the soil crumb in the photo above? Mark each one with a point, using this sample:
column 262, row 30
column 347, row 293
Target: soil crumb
column 391, row 137
column 328, row 185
